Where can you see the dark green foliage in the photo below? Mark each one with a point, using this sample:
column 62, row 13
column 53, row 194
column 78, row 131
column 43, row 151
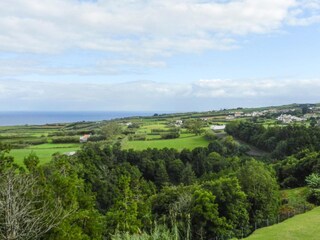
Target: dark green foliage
column 110, row 130
column 170, row 135
column 84, row 222
column 31, row 161
column 232, row 202
column 194, row 126
column 210, row 135
column 293, row 170
column 68, row 139
column 199, row 156
column 231, row 146
column 188, row 176
column 96, row 138
column 313, row 182
column 161, row 177
column 204, row 193
column 123, row 215
column 280, row 141
column 175, row 169
column 260, row 185
column 205, row 216
column 217, row 146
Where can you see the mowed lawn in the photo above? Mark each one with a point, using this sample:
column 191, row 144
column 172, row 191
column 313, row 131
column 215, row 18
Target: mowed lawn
column 43, row 151
column 301, row 227
column 189, row 142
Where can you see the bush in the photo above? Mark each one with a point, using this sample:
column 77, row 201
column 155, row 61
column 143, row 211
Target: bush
column 210, row 135
column 139, row 137
column 65, row 140
column 170, row 135
column 313, row 182
column 289, row 182
column 156, row 131
column 96, row 138
column 37, row 141
column 314, row 196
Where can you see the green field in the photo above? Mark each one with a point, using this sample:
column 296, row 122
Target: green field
column 188, row 142
column 43, row 151
column 301, row 227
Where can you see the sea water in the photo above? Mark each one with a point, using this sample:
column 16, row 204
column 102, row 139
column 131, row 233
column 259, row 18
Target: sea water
column 40, row 118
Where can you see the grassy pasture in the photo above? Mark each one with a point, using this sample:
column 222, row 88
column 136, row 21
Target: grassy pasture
column 304, row 226
column 185, row 141
column 43, row 151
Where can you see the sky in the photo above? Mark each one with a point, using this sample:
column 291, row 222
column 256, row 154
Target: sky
column 151, row 55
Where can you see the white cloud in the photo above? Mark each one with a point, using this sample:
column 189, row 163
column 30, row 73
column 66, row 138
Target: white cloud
column 137, row 27
column 135, row 33
column 148, row 95
column 307, row 12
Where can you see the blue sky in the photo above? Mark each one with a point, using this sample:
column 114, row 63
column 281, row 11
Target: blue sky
column 148, row 55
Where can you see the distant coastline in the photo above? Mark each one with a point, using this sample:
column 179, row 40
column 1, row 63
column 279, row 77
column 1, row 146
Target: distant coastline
column 40, row 118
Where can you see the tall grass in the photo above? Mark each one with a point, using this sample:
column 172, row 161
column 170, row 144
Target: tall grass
column 159, row 232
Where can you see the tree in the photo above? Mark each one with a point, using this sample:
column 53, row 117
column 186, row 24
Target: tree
column 175, row 169
column 232, row 203
column 260, row 185
column 188, row 176
column 199, row 156
column 205, row 216
column 313, row 122
column 123, row 216
column 216, row 146
column 24, row 213
column 111, row 129
column 64, row 185
column 161, row 176
column 232, row 147
column 31, row 161
column 194, row 126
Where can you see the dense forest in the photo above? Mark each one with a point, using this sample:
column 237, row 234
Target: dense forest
column 121, row 194
column 294, row 149
column 105, row 192
column 281, row 141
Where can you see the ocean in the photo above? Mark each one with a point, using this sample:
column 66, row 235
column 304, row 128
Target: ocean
column 41, row 118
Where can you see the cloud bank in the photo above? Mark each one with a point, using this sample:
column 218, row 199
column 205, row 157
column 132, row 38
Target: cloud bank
column 135, row 33
column 154, row 96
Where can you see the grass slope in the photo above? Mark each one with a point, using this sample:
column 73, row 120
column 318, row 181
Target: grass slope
column 189, row 142
column 296, row 197
column 304, row 226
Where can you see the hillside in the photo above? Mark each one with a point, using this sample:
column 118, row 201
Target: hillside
column 304, row 226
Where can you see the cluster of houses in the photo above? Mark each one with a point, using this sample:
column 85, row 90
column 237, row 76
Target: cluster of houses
column 234, row 115
column 287, row 118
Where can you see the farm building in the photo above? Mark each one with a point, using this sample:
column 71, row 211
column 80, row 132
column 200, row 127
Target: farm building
column 84, row 138
column 218, row 127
